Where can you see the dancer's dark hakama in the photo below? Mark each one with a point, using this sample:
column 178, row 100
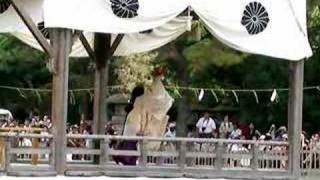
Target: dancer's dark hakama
column 129, row 145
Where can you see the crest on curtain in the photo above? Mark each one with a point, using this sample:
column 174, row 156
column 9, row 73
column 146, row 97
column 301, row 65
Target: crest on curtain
column 255, row 18
column 125, row 8
column 4, row 5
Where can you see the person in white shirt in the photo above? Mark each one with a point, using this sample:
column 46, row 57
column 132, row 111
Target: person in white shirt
column 206, row 126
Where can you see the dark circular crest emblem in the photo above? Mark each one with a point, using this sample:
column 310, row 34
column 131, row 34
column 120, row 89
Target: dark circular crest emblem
column 4, row 5
column 125, row 8
column 255, row 18
column 43, row 30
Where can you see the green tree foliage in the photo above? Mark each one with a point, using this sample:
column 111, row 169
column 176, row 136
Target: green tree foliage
column 25, row 67
column 21, row 66
column 134, row 70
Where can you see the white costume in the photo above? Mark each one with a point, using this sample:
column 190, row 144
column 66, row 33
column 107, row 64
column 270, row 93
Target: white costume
column 149, row 114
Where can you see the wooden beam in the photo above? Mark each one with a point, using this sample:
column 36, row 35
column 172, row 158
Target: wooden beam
column 61, row 40
column 16, row 4
column 115, row 45
column 87, row 45
column 295, row 103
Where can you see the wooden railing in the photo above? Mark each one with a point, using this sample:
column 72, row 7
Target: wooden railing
column 176, row 157
column 11, row 149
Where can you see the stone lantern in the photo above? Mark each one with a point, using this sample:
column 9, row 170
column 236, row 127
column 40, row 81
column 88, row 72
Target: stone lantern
column 116, row 105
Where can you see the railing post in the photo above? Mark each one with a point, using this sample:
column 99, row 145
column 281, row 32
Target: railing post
column 160, row 159
column 52, row 154
column 7, row 152
column 104, row 154
column 219, row 156
column 35, row 157
column 255, row 154
column 182, row 154
column 107, row 149
column 143, row 154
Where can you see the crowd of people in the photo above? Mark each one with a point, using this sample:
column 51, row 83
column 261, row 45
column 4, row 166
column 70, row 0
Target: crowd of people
column 207, row 127
column 43, row 125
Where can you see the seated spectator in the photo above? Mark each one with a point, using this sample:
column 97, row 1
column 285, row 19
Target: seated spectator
column 226, row 128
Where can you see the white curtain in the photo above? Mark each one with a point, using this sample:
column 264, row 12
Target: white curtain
column 111, row 16
column 268, row 27
column 299, row 8
column 274, row 28
column 130, row 44
column 143, row 42
column 11, row 22
column 26, row 37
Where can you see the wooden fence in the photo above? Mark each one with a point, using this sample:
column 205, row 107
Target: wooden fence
column 176, row 157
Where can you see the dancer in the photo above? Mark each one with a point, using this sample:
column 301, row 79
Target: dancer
column 129, row 145
column 147, row 115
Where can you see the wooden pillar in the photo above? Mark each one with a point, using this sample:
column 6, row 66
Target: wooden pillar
column 295, row 101
column 101, row 50
column 61, row 43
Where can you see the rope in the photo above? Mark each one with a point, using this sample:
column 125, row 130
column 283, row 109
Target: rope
column 168, row 87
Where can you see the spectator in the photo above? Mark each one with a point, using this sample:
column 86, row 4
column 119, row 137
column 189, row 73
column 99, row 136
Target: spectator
column 281, row 131
column 272, row 131
column 226, row 128
column 191, row 131
column 26, row 124
column 236, row 133
column 253, row 132
column 206, row 126
column 171, row 131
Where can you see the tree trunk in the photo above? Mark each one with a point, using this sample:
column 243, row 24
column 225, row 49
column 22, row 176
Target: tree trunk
column 182, row 108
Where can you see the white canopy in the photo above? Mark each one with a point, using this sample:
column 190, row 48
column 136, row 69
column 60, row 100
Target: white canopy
column 274, row 28
column 130, row 44
column 266, row 27
column 111, row 16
